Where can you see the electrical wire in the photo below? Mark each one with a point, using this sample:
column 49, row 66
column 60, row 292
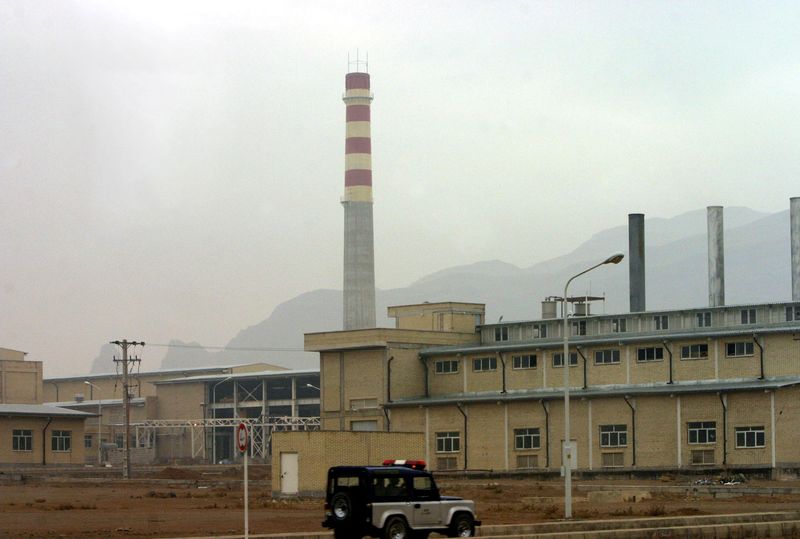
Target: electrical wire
column 231, row 348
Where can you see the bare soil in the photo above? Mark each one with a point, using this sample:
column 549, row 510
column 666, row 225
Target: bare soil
column 176, row 502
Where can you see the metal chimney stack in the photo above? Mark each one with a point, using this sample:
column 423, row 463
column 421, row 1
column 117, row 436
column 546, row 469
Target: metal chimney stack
column 716, row 258
column 359, row 257
column 794, row 226
column 636, row 261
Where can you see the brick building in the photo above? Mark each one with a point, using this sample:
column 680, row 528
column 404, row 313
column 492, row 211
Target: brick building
column 657, row 390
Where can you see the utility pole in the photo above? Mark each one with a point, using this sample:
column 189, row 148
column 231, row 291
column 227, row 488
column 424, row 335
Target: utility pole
column 126, row 402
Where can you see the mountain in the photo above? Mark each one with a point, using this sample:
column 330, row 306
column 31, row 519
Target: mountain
column 757, row 265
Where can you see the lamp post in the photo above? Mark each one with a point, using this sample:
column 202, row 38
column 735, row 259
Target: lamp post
column 566, row 460
column 214, row 425
column 312, row 386
column 99, row 420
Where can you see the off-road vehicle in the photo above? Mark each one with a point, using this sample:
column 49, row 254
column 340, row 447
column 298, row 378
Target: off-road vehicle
column 398, row 500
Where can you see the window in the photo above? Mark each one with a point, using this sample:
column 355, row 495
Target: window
column 613, row 435
column 749, row 437
column 448, row 442
column 748, row 316
column 447, row 463
column 484, row 364
column 558, row 359
column 524, row 362
column 369, row 425
column 661, row 322
column 61, row 440
column 738, row 349
column 501, row 334
column 694, row 351
column 423, row 487
column 793, row 313
column 606, row 357
column 527, row 462
column 613, row 460
column 22, row 440
column 652, row 353
column 526, row 438
column 446, row 366
column 87, row 441
column 704, row 319
column 619, row 325
column 579, row 327
column 539, row 331
column 119, row 439
column 363, row 404
column 702, row 456
column 702, row 432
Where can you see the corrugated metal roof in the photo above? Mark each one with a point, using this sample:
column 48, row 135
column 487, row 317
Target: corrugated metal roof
column 237, row 376
column 616, row 338
column 677, row 388
column 41, row 410
column 136, row 401
column 153, row 372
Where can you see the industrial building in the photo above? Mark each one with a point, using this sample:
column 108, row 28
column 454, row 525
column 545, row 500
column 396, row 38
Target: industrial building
column 189, row 415
column 31, row 432
column 678, row 389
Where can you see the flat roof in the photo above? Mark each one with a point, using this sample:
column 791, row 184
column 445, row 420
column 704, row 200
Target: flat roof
column 40, row 410
column 237, row 376
column 153, row 372
column 135, row 401
column 629, row 390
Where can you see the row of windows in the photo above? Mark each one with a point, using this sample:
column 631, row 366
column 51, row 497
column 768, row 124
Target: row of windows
column 601, row 357
column 660, row 323
column 699, row 432
column 22, row 440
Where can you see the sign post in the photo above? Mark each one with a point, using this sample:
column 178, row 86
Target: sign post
column 242, row 441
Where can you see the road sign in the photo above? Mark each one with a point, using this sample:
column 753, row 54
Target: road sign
column 241, row 437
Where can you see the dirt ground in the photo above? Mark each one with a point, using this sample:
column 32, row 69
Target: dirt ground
column 184, row 502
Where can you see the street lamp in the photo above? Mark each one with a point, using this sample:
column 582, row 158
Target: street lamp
column 214, row 425
column 312, row 386
column 99, row 420
column 567, row 452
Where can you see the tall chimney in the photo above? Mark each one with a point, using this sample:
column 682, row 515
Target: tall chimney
column 794, row 225
column 636, row 261
column 359, row 257
column 716, row 258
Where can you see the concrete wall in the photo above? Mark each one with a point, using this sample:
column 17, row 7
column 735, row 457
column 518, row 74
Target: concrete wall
column 318, row 451
column 20, row 381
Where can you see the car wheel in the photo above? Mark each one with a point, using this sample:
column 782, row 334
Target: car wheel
column 342, row 507
column 396, row 528
column 463, row 525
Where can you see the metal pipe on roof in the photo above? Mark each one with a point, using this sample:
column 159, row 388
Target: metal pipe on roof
column 716, row 257
column 636, row 261
column 794, row 226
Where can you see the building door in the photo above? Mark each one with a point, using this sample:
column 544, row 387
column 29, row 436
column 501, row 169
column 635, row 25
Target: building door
column 574, row 458
column 289, row 473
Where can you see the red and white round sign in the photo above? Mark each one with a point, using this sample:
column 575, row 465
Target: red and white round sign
column 241, row 437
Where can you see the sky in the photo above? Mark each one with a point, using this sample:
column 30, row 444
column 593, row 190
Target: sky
column 173, row 169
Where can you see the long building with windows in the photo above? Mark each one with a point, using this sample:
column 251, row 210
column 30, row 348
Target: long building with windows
column 657, row 390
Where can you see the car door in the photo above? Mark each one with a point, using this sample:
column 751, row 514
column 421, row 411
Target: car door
column 425, row 502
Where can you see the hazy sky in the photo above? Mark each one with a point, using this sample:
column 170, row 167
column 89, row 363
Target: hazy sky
column 174, row 169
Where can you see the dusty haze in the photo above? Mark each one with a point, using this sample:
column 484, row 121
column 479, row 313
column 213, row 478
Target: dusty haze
column 173, row 169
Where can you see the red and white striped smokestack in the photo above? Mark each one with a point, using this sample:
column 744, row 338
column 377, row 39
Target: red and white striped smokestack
column 359, row 257
column 358, row 142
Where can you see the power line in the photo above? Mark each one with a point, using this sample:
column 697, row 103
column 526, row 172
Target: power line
column 231, row 348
